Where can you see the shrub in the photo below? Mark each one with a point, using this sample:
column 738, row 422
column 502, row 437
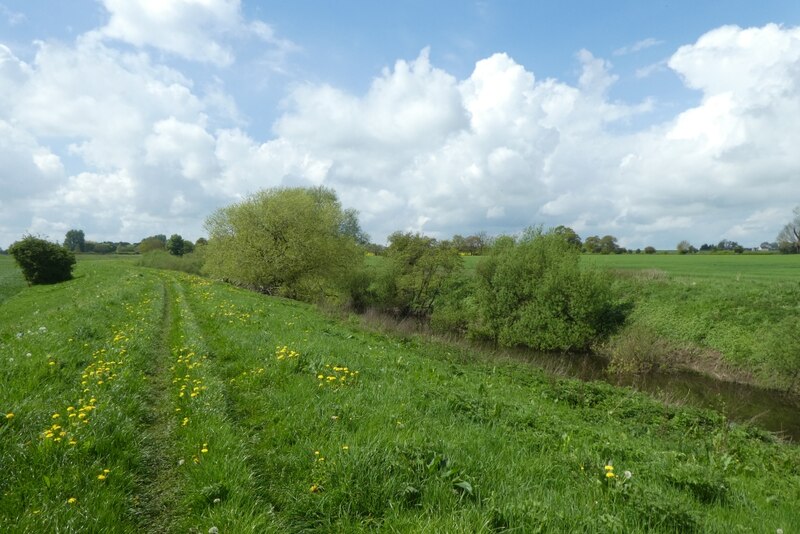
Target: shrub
column 534, row 293
column 416, row 271
column 42, row 262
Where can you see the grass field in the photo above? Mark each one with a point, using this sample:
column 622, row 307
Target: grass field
column 728, row 304
column 11, row 280
column 140, row 400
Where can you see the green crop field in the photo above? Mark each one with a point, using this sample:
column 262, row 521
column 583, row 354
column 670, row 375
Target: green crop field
column 136, row 400
column 729, row 304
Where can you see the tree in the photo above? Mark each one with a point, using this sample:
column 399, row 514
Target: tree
column 352, row 228
column 592, row 245
column 42, row 262
column 286, row 241
column 649, row 250
column 175, row 245
column 789, row 237
column 149, row 244
column 684, row 247
column 75, row 241
column 417, row 269
column 569, row 235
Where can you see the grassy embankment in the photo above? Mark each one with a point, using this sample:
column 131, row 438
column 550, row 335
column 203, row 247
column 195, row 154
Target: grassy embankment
column 725, row 307
column 155, row 401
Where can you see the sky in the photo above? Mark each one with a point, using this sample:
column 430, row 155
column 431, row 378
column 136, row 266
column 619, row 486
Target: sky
column 653, row 122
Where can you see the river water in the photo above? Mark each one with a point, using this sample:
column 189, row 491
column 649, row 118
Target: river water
column 768, row 409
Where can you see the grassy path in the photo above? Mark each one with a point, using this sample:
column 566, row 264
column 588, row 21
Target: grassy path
column 158, row 496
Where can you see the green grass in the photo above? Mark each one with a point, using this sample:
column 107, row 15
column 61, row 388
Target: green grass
column 694, row 267
column 728, row 304
column 218, row 410
column 11, row 280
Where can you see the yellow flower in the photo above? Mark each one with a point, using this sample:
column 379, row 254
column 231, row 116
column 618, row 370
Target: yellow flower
column 314, row 488
column 609, row 468
column 72, row 500
column 101, row 477
column 9, row 415
column 610, row 474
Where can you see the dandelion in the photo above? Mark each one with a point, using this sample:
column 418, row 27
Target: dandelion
column 9, row 415
column 72, row 500
column 101, row 477
column 314, row 488
column 627, row 475
column 345, row 448
column 610, row 474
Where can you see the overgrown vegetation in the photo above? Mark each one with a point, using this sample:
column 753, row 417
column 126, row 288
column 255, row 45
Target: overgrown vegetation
column 41, row 261
column 415, row 274
column 533, row 292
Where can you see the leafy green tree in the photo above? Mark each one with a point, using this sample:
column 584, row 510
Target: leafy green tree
column 649, row 250
column 42, row 262
column 150, row 244
column 569, row 235
column 684, row 247
column 535, row 293
column 415, row 273
column 286, row 241
column 75, row 241
column 789, row 237
column 352, row 228
column 175, row 245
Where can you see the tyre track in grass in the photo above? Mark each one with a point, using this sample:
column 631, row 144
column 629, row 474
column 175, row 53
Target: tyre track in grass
column 160, row 493
column 217, row 484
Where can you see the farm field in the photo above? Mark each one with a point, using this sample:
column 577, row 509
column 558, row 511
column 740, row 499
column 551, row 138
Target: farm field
column 730, row 304
column 142, row 400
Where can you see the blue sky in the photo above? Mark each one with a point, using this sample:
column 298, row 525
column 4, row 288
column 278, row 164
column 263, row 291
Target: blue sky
column 645, row 120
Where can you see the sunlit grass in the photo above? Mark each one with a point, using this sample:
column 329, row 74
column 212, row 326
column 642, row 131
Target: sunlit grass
column 221, row 412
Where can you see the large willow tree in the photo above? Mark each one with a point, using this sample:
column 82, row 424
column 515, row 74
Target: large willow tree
column 295, row 242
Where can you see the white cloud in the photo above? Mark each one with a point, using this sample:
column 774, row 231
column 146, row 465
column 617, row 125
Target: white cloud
column 197, row 30
column 147, row 152
column 637, row 46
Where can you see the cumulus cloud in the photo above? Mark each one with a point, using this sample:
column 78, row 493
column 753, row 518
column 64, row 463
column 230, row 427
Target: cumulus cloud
column 124, row 146
column 192, row 29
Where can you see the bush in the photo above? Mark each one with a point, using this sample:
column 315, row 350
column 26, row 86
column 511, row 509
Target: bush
column 42, row 262
column 415, row 273
column 534, row 293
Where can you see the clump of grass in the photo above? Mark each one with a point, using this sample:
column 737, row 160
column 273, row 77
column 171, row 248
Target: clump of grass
column 637, row 349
